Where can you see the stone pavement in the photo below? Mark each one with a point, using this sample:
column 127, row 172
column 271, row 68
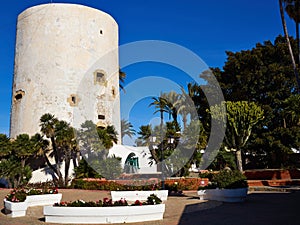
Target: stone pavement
column 261, row 207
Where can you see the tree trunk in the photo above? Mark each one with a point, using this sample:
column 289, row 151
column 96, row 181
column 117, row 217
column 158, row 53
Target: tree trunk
column 289, row 45
column 239, row 161
column 184, row 120
column 67, row 166
column 297, row 31
column 55, row 170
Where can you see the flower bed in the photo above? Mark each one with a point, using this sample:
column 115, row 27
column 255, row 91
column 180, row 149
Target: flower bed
column 105, row 212
column 226, row 186
column 141, row 195
column 105, row 215
column 17, row 201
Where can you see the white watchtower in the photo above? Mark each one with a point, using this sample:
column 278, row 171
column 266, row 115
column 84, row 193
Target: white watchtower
column 66, row 64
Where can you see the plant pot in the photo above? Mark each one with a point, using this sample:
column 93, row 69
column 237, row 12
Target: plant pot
column 227, row 195
column 44, row 199
column 15, row 209
column 202, row 194
column 103, row 215
column 138, row 195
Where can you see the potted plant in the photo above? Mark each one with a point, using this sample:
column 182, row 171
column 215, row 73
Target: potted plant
column 14, row 203
column 226, row 186
column 106, row 211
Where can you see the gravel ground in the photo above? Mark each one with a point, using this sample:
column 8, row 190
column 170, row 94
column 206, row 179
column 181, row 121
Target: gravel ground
column 260, row 208
column 175, row 207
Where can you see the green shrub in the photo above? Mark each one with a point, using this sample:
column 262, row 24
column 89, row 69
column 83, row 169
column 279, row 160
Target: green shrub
column 229, row 179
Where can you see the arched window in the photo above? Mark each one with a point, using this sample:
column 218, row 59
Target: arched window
column 131, row 164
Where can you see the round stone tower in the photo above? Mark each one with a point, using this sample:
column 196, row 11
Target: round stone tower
column 66, row 64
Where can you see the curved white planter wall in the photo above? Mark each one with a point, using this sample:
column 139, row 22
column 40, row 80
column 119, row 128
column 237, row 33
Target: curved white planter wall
column 41, row 200
column 17, row 209
column 103, row 215
column 224, row 195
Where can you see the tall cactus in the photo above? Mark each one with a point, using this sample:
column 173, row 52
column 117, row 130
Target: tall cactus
column 241, row 117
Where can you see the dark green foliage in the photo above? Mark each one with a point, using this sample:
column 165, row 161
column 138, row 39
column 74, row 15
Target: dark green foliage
column 16, row 195
column 110, row 186
column 152, row 200
column 265, row 76
column 223, row 159
column 229, row 179
column 85, row 171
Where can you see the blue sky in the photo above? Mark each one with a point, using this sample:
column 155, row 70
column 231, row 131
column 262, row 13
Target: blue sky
column 207, row 28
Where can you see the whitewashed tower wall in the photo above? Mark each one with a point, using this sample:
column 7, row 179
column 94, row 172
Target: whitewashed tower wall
column 57, row 46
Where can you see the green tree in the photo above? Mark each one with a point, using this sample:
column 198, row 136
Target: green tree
column 122, row 76
column 126, row 129
column 144, row 133
column 66, row 144
column 263, row 75
column 171, row 98
column 23, row 148
column 5, row 146
column 161, row 106
column 241, row 117
column 95, row 143
column 14, row 161
column 61, row 135
column 289, row 44
column 292, row 7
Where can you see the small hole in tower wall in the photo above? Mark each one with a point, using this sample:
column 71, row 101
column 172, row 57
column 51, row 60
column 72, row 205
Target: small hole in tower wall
column 101, row 117
column 19, row 95
column 101, row 31
column 73, row 99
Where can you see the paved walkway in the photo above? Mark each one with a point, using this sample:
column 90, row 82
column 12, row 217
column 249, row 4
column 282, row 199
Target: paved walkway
column 265, row 208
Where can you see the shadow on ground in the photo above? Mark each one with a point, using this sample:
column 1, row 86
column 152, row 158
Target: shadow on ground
column 258, row 209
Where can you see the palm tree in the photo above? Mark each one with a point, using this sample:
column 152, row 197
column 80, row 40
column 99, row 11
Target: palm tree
column 161, row 106
column 5, row 146
column 292, row 7
column 111, row 136
column 41, row 147
column 23, row 148
column 289, row 44
column 122, row 77
column 171, row 98
column 184, row 106
column 144, row 135
column 126, row 129
column 66, row 144
column 48, row 124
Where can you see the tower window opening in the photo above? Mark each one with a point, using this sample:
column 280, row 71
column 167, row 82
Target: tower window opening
column 19, row 95
column 73, row 99
column 101, row 117
column 101, row 31
column 100, row 77
column 113, row 92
